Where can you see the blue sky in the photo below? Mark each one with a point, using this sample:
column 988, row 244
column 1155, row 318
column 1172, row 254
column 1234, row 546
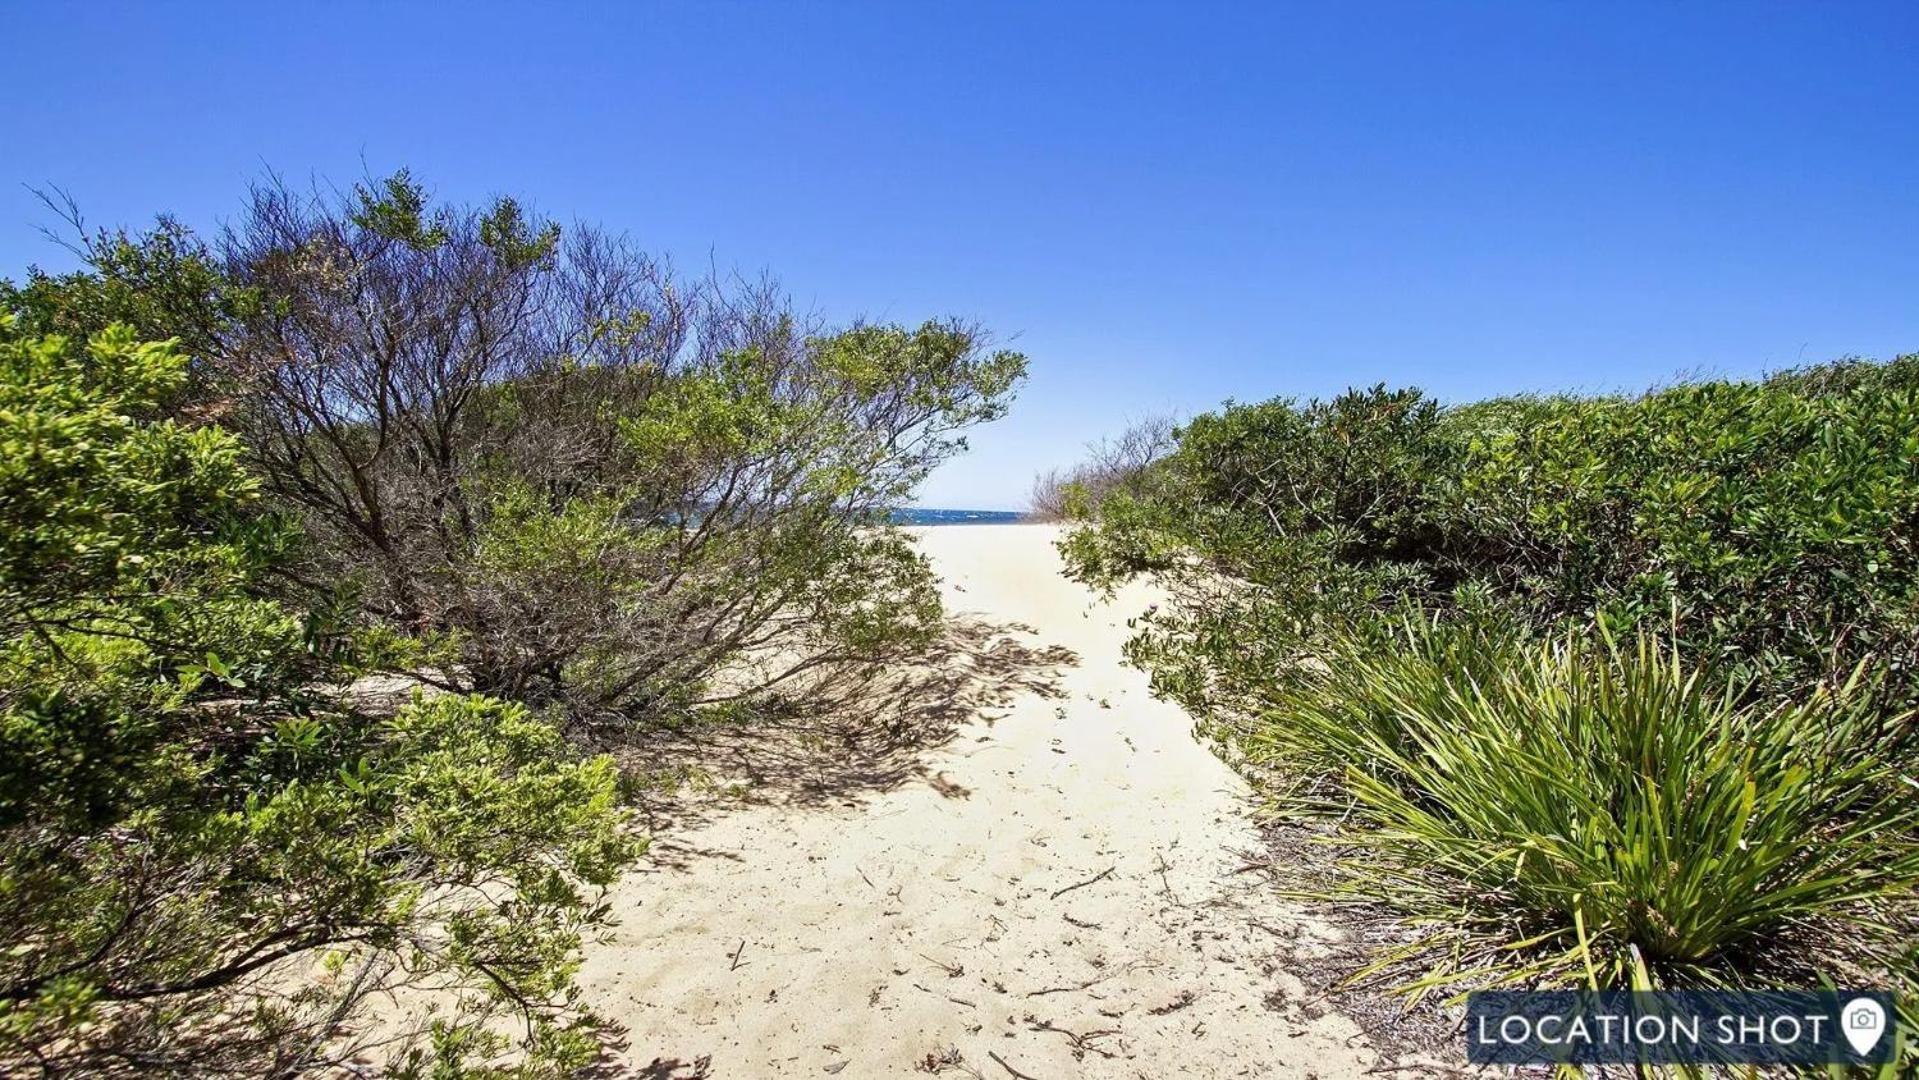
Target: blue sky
column 1163, row 206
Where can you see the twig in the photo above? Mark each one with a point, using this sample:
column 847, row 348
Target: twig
column 736, row 956
column 1185, row 998
column 1081, row 1043
column 1087, row 985
column 1009, row 1068
column 1101, row 876
column 953, row 971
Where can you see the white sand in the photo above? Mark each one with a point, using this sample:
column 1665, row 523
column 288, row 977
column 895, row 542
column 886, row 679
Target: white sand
column 1054, row 883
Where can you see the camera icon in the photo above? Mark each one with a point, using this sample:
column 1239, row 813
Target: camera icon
column 1864, row 1020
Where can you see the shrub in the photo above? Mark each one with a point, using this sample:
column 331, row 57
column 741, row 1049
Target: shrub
column 1770, row 524
column 1269, row 525
column 1119, row 465
column 162, row 284
column 182, row 818
column 1566, row 812
column 578, row 478
column 1780, row 520
column 1575, row 811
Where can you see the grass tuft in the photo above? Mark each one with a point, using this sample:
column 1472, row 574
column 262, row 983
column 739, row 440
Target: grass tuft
column 1603, row 812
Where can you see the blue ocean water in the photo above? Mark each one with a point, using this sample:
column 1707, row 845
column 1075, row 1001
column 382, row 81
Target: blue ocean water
column 956, row 517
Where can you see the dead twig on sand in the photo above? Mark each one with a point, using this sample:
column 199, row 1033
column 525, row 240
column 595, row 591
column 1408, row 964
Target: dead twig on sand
column 1081, row 1043
column 949, row 997
column 1101, row 876
column 1088, row 984
column 1009, row 1068
column 735, row 966
column 1163, row 883
column 950, row 1059
column 1185, row 998
column 953, row 971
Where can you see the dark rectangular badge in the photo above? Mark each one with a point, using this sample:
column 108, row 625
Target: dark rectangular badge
column 1691, row 1027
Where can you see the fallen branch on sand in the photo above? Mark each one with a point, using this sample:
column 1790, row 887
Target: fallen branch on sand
column 1101, row 876
column 1009, row 1068
column 1068, row 989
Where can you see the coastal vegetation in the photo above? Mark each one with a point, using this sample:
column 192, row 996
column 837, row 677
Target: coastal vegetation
column 251, row 483
column 1609, row 691
column 342, row 544
column 1113, row 465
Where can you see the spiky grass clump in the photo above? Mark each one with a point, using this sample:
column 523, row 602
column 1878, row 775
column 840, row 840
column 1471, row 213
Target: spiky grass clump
column 1605, row 814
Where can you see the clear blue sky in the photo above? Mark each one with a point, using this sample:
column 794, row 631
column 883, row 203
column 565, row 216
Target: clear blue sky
column 1163, row 206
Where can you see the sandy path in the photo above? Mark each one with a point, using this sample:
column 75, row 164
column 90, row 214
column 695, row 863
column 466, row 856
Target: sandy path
column 1052, row 883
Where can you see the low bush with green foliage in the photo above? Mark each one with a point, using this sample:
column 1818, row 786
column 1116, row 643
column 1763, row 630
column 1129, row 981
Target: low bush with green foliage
column 1547, row 807
column 1270, row 525
column 1775, row 521
column 187, row 825
column 1122, row 464
column 1779, row 519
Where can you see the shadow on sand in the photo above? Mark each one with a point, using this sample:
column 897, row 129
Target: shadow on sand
column 856, row 736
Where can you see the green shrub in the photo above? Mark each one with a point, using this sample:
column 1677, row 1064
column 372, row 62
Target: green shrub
column 1270, row 525
column 1694, row 817
column 583, row 480
column 1122, row 465
column 1583, row 812
column 1779, row 520
column 187, row 825
column 1772, row 526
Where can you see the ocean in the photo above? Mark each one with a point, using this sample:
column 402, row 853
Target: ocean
column 956, row 517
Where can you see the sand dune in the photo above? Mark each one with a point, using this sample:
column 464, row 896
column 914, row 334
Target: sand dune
column 1015, row 862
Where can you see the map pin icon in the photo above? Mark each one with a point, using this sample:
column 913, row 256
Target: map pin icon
column 1862, row 1021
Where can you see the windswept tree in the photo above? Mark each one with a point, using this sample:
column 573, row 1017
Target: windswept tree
column 573, row 475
